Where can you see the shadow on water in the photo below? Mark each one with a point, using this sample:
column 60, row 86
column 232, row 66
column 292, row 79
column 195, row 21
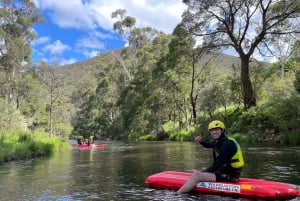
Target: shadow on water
column 118, row 171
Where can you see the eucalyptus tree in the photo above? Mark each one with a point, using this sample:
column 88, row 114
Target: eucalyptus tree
column 180, row 75
column 297, row 82
column 53, row 83
column 142, row 103
column 296, row 58
column 10, row 118
column 136, row 37
column 97, row 109
column 156, row 94
column 30, row 95
column 296, row 51
column 212, row 98
column 94, row 116
column 16, row 33
column 184, row 70
column 244, row 26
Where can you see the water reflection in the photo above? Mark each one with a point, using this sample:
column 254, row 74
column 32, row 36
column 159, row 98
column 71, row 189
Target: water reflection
column 166, row 195
column 117, row 172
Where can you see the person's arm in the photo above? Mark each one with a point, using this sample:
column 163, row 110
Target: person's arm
column 227, row 151
column 207, row 144
column 198, row 139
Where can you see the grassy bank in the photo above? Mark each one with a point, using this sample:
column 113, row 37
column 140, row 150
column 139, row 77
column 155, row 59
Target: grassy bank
column 26, row 145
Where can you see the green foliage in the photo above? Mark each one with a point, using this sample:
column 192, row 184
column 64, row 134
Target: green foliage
column 173, row 131
column 63, row 130
column 24, row 145
column 23, row 137
column 16, row 34
column 242, row 138
column 175, row 137
column 147, row 138
column 170, row 126
column 234, row 95
column 159, row 87
column 292, row 138
column 23, row 150
column 279, row 116
column 297, row 82
column 275, row 87
column 124, row 22
column 287, row 112
column 232, row 25
column 95, row 116
column 212, row 98
column 10, row 118
column 256, row 119
column 232, row 115
column 183, row 135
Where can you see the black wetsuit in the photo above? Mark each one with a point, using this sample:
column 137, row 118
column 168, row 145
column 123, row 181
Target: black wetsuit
column 221, row 167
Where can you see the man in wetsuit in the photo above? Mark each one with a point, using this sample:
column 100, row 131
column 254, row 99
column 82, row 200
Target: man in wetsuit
column 228, row 158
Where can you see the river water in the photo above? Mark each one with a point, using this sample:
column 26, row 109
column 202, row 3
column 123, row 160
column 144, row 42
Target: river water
column 117, row 172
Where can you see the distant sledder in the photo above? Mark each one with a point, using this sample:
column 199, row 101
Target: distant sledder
column 87, row 143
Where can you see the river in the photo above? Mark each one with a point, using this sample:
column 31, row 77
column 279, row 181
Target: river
column 118, row 171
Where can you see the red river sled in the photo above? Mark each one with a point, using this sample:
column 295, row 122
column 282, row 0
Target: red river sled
column 86, row 146
column 245, row 187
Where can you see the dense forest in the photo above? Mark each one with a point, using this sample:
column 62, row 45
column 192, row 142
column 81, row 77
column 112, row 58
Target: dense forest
column 161, row 86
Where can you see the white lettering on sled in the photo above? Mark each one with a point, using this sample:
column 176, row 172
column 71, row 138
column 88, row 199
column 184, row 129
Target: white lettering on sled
column 220, row 186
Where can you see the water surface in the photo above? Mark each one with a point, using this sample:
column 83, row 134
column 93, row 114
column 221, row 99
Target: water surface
column 118, row 171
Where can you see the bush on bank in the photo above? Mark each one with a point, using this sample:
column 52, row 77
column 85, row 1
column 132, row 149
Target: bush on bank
column 20, row 145
column 276, row 121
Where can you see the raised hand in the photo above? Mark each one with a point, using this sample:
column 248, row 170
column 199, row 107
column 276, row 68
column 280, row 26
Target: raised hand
column 198, row 138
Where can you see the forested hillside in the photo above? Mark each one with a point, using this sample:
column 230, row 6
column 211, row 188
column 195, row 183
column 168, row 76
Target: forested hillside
column 82, row 80
column 161, row 86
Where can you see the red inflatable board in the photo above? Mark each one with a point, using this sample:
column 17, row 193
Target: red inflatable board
column 245, row 187
column 86, row 146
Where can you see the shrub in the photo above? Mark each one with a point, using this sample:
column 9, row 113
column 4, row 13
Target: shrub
column 26, row 145
column 147, row 138
column 244, row 138
column 22, row 151
column 291, row 138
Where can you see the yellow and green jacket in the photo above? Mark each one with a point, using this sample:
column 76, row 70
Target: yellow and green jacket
column 227, row 154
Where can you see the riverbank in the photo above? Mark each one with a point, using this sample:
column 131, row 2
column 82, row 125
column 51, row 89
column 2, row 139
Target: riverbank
column 26, row 145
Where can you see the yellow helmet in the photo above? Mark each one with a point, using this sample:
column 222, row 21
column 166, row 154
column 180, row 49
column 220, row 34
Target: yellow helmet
column 216, row 124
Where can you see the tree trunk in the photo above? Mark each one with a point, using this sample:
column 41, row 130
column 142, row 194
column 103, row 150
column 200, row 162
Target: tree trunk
column 248, row 93
column 12, row 84
column 51, row 115
column 192, row 96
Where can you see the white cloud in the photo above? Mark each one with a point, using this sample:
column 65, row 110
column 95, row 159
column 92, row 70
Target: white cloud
column 92, row 19
column 67, row 61
column 56, row 48
column 61, row 61
column 94, row 40
column 41, row 40
column 162, row 15
column 92, row 14
column 66, row 14
column 90, row 54
column 90, row 42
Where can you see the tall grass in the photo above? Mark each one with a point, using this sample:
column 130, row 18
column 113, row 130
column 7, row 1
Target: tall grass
column 292, row 138
column 22, row 145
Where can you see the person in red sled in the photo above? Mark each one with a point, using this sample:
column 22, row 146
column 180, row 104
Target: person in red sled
column 228, row 159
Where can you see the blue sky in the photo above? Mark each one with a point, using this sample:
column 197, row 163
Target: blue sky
column 77, row 30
